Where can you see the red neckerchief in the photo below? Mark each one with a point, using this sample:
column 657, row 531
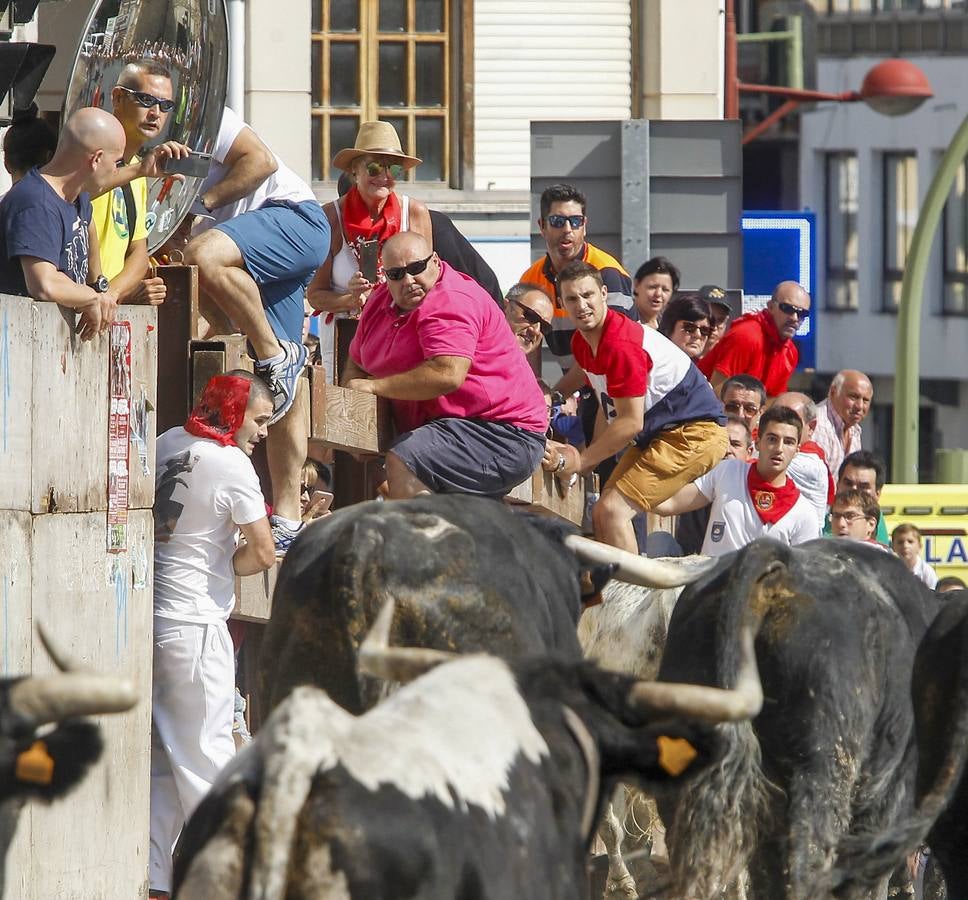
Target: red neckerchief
column 817, row 450
column 359, row 226
column 771, row 503
column 220, row 410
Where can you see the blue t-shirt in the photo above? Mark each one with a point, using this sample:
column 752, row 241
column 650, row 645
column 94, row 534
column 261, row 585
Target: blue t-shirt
column 35, row 221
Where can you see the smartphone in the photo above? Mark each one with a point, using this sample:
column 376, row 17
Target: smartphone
column 369, row 252
column 194, row 166
column 323, row 498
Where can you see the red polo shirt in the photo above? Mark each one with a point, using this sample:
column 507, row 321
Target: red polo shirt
column 754, row 347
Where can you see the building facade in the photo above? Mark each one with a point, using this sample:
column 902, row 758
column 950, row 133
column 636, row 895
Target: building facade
column 866, row 175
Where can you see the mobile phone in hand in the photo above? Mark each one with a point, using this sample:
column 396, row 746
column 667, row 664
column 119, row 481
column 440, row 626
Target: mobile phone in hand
column 194, row 166
column 369, row 253
column 320, row 502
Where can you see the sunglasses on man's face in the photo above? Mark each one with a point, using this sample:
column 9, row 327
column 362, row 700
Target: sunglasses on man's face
column 788, row 309
column 556, row 221
column 396, row 273
column 146, row 100
column 735, row 407
column 374, row 169
column 532, row 318
column 691, row 328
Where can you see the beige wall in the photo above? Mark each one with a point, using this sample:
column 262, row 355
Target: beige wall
column 277, row 77
column 681, row 58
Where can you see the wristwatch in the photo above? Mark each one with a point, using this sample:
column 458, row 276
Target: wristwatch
column 101, row 284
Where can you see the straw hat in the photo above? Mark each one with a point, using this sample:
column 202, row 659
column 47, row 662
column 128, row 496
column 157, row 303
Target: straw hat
column 378, row 138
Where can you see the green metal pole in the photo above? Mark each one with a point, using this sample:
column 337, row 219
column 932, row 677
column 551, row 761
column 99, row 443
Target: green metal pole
column 907, row 364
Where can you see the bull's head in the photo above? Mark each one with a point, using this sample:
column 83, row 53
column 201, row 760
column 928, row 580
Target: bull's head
column 40, row 761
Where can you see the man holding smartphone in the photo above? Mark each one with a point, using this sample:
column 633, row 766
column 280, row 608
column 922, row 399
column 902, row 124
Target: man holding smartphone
column 141, row 102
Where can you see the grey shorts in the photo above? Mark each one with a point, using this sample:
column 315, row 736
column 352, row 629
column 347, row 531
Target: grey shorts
column 470, row 456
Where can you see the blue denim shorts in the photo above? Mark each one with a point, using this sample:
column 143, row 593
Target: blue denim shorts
column 282, row 245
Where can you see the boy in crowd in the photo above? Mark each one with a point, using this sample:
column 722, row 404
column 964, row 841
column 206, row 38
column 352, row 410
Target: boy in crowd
column 752, row 500
column 906, row 543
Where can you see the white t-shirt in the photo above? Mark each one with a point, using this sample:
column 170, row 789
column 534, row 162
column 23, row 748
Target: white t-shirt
column 810, row 473
column 733, row 520
column 283, row 184
column 203, row 492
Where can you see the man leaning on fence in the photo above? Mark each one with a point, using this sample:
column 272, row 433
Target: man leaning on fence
column 48, row 244
column 471, row 415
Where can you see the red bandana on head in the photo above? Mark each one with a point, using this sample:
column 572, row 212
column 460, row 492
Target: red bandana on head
column 220, row 410
column 771, row 503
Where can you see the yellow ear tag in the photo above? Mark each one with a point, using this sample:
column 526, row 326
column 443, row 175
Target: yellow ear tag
column 675, row 754
column 35, row 765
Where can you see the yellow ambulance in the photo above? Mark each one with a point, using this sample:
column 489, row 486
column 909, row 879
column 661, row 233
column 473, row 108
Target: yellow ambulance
column 940, row 511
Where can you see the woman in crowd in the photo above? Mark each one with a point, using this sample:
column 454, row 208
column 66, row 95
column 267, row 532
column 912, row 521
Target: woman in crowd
column 687, row 322
column 371, row 210
column 654, row 284
column 28, row 142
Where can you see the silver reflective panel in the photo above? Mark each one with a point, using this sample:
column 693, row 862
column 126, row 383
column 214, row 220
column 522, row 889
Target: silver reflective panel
column 189, row 38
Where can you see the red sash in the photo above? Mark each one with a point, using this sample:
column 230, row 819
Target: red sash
column 220, row 410
column 771, row 503
column 817, row 450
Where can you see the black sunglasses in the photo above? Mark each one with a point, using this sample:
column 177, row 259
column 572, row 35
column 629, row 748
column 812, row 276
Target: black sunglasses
column 146, row 100
column 790, row 310
column 532, row 318
column 414, row 268
column 557, row 221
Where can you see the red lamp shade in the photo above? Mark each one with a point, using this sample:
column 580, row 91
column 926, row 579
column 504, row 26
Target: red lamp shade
column 895, row 87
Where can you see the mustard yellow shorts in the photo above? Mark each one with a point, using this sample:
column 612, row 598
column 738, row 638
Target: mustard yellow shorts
column 673, row 458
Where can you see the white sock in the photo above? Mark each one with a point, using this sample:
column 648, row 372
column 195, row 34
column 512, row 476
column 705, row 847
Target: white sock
column 272, row 360
column 291, row 524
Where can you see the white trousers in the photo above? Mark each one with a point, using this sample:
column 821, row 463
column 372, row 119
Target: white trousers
column 192, row 705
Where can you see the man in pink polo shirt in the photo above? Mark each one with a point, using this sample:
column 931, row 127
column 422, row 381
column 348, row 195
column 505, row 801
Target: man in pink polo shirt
column 469, row 413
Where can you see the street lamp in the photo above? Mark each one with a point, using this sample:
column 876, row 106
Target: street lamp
column 893, row 87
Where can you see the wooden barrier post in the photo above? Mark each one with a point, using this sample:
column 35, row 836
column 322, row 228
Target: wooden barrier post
column 177, row 326
column 55, row 415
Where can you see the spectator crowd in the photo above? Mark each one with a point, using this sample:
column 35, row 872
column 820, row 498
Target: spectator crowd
column 666, row 399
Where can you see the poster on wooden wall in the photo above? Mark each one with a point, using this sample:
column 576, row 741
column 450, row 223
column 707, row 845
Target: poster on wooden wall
column 119, row 431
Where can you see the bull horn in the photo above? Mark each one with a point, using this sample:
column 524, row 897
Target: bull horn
column 53, row 650
column 403, row 664
column 694, row 701
column 50, row 698
column 635, row 569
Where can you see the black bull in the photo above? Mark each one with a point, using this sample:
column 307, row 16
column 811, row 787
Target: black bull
column 466, row 575
column 940, row 692
column 832, row 753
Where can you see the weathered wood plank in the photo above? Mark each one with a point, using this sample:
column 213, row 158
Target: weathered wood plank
column 348, row 420
column 70, row 426
column 541, row 494
column 253, row 595
column 144, row 399
column 15, row 659
column 16, row 408
column 98, row 607
column 177, row 325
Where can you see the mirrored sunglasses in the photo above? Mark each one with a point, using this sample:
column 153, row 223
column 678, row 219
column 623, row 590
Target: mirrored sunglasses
column 556, row 221
column 394, row 170
column 532, row 318
column 789, row 309
column 415, row 268
column 146, row 100
column 693, row 328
